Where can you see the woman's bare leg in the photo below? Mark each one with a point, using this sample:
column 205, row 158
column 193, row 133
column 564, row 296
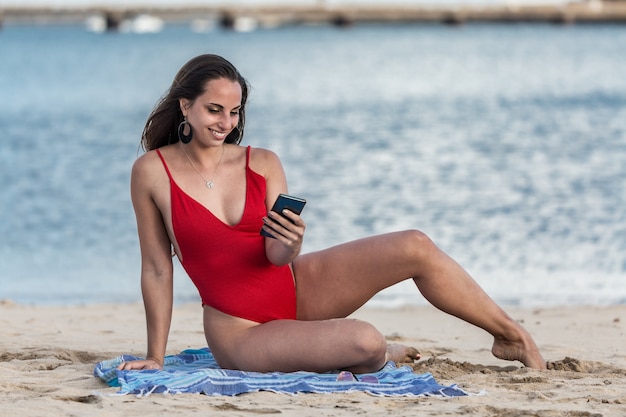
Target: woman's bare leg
column 335, row 282
column 316, row 346
column 296, row 345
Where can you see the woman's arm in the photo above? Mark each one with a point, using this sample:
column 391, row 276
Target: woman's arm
column 156, row 266
column 290, row 232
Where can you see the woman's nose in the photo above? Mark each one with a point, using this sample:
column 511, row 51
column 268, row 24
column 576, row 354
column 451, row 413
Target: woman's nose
column 226, row 121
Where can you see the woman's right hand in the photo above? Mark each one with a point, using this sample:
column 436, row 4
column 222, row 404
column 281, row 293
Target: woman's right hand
column 141, row 364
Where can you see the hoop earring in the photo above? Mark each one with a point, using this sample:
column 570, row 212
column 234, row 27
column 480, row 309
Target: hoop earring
column 181, row 132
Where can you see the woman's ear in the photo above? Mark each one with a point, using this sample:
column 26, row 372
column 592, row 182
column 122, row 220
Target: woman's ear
column 184, row 105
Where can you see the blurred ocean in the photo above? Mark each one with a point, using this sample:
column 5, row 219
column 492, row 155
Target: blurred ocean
column 505, row 143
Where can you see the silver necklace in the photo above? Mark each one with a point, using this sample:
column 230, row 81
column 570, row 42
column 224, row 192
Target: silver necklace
column 209, row 184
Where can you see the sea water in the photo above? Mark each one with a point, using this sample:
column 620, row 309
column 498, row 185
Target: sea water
column 506, row 144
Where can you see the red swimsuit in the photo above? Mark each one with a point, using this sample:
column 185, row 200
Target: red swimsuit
column 227, row 263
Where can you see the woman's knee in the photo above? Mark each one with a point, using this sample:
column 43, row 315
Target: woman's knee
column 417, row 244
column 369, row 343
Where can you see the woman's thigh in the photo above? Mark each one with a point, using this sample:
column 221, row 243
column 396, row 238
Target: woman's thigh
column 335, row 282
column 317, row 346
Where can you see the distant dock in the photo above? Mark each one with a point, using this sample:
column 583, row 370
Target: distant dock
column 584, row 12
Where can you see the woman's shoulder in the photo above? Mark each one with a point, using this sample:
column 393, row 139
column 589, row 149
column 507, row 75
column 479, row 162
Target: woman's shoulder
column 153, row 157
column 145, row 162
column 263, row 161
column 149, row 167
column 263, row 156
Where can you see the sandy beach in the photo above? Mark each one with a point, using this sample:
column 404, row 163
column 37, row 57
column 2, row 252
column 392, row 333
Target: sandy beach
column 47, row 357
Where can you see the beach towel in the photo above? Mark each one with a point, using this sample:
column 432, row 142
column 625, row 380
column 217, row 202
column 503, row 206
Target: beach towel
column 196, row 371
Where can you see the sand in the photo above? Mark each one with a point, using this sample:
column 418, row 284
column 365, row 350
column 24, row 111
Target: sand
column 47, row 356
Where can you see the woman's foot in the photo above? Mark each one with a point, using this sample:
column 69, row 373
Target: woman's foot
column 401, row 354
column 519, row 347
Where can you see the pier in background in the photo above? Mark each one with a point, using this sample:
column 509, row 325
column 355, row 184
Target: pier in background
column 230, row 17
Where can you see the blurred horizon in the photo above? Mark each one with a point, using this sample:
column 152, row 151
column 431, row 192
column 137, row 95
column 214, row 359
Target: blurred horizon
column 130, row 3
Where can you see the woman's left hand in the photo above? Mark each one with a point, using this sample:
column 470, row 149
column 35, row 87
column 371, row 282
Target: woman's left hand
column 288, row 229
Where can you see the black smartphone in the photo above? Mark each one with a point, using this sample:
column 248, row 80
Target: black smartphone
column 289, row 202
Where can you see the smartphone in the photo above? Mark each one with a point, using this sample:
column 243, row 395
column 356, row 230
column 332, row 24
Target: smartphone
column 289, row 202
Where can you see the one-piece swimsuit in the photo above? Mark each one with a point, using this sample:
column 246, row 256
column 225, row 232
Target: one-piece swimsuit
column 228, row 264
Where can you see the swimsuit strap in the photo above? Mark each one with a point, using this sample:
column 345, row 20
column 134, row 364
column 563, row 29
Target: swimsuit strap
column 164, row 164
column 248, row 156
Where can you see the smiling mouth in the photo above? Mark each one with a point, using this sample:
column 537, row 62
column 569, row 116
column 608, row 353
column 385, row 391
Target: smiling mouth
column 217, row 134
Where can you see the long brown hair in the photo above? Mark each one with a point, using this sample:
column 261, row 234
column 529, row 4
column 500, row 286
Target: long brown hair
column 162, row 125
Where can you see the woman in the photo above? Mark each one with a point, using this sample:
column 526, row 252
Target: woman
column 267, row 307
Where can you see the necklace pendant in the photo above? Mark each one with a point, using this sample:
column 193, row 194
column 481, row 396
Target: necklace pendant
column 209, row 184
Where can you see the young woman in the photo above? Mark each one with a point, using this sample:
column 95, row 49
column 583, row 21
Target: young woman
column 267, row 307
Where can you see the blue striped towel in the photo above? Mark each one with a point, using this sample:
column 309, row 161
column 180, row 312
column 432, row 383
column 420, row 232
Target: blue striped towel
column 196, row 371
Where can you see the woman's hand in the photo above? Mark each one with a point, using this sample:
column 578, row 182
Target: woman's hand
column 288, row 229
column 148, row 363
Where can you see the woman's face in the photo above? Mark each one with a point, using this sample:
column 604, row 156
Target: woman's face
column 215, row 113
